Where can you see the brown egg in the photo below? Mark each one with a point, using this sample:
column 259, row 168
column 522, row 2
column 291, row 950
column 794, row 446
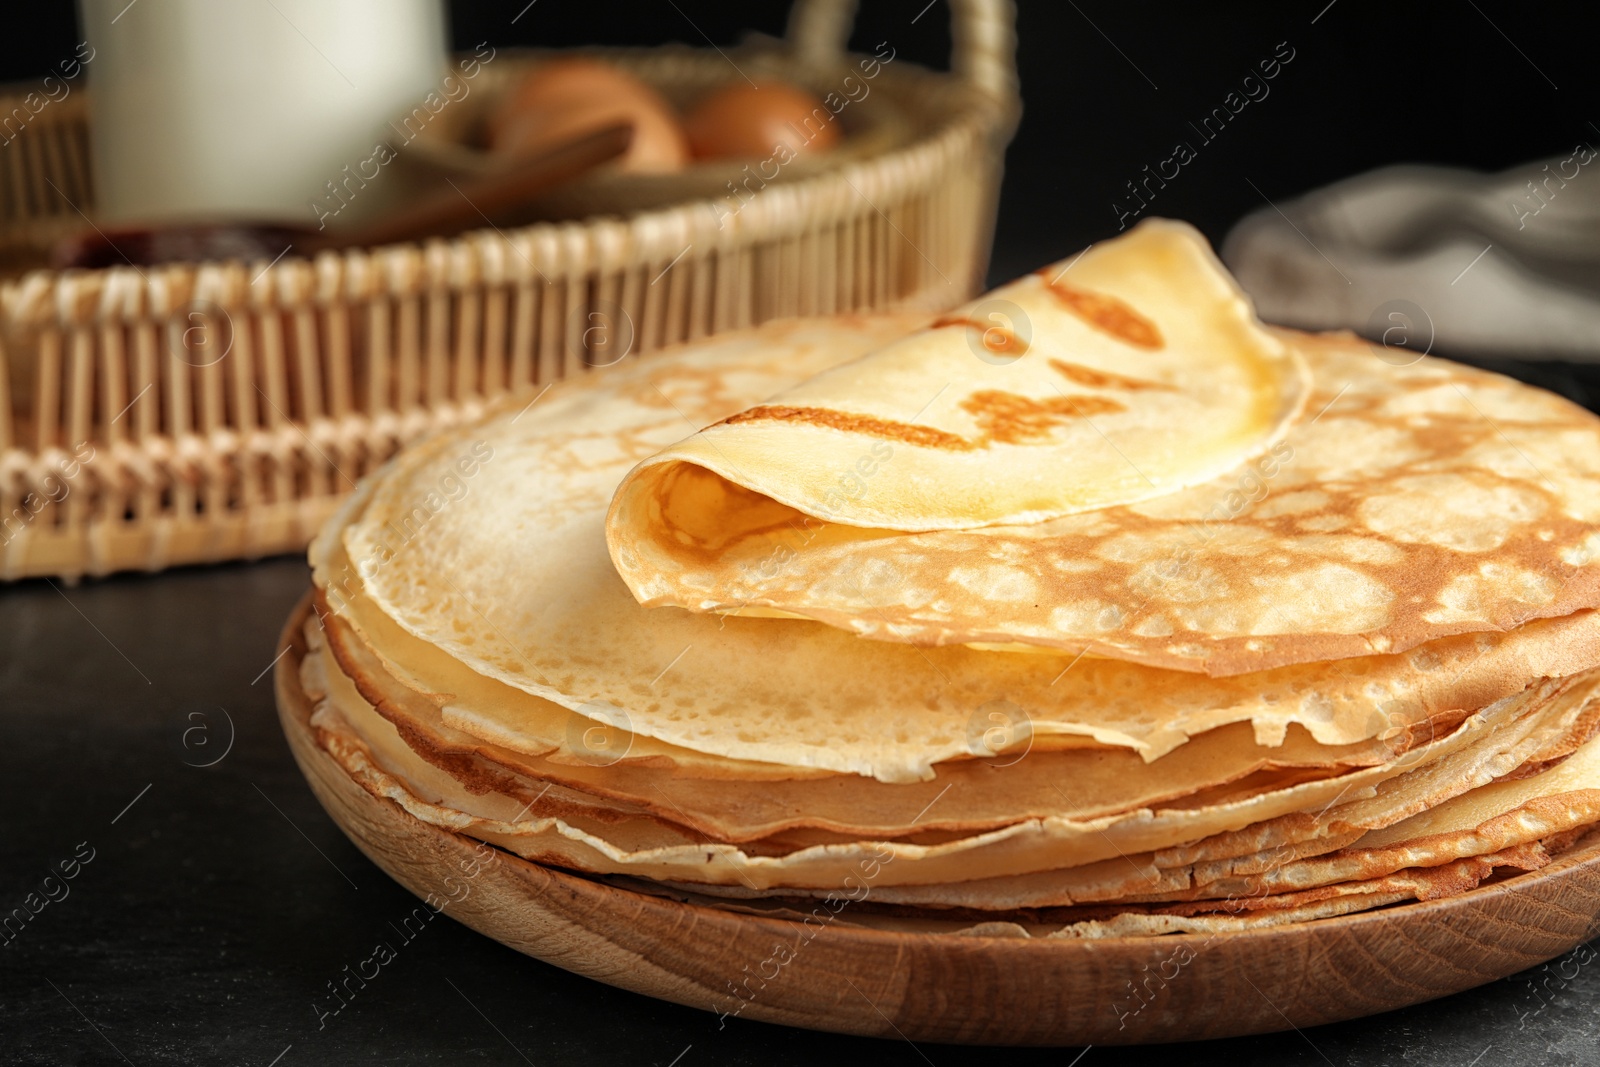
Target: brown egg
column 744, row 121
column 570, row 97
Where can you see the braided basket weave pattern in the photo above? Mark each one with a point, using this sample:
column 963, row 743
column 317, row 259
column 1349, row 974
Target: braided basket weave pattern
column 186, row 414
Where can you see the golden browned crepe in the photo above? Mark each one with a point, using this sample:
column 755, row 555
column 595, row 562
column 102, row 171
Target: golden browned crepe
column 1254, row 628
column 1131, row 372
column 1253, row 840
column 1405, row 504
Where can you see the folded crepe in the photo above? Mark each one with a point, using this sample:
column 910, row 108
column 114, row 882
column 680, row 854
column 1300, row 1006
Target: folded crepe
column 1177, row 622
column 1404, row 505
column 1129, row 373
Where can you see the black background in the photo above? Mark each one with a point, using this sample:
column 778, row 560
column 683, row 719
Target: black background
column 222, row 901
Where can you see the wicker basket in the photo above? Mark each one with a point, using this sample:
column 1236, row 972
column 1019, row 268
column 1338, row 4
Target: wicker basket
column 190, row 414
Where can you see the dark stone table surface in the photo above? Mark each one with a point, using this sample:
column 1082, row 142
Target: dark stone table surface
column 212, row 904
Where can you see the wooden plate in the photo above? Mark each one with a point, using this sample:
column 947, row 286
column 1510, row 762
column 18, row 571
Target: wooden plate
column 958, row 988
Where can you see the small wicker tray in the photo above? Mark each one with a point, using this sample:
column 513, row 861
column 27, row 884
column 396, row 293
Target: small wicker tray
column 190, row 414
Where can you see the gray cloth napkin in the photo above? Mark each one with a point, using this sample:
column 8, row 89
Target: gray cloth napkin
column 1437, row 259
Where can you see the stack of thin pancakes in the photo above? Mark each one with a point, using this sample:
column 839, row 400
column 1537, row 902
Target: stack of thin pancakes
column 1094, row 608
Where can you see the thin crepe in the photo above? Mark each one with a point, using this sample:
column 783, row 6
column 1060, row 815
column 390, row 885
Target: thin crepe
column 512, row 582
column 966, row 796
column 1123, row 919
column 1406, row 504
column 1425, row 818
column 1490, row 744
column 1126, row 373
